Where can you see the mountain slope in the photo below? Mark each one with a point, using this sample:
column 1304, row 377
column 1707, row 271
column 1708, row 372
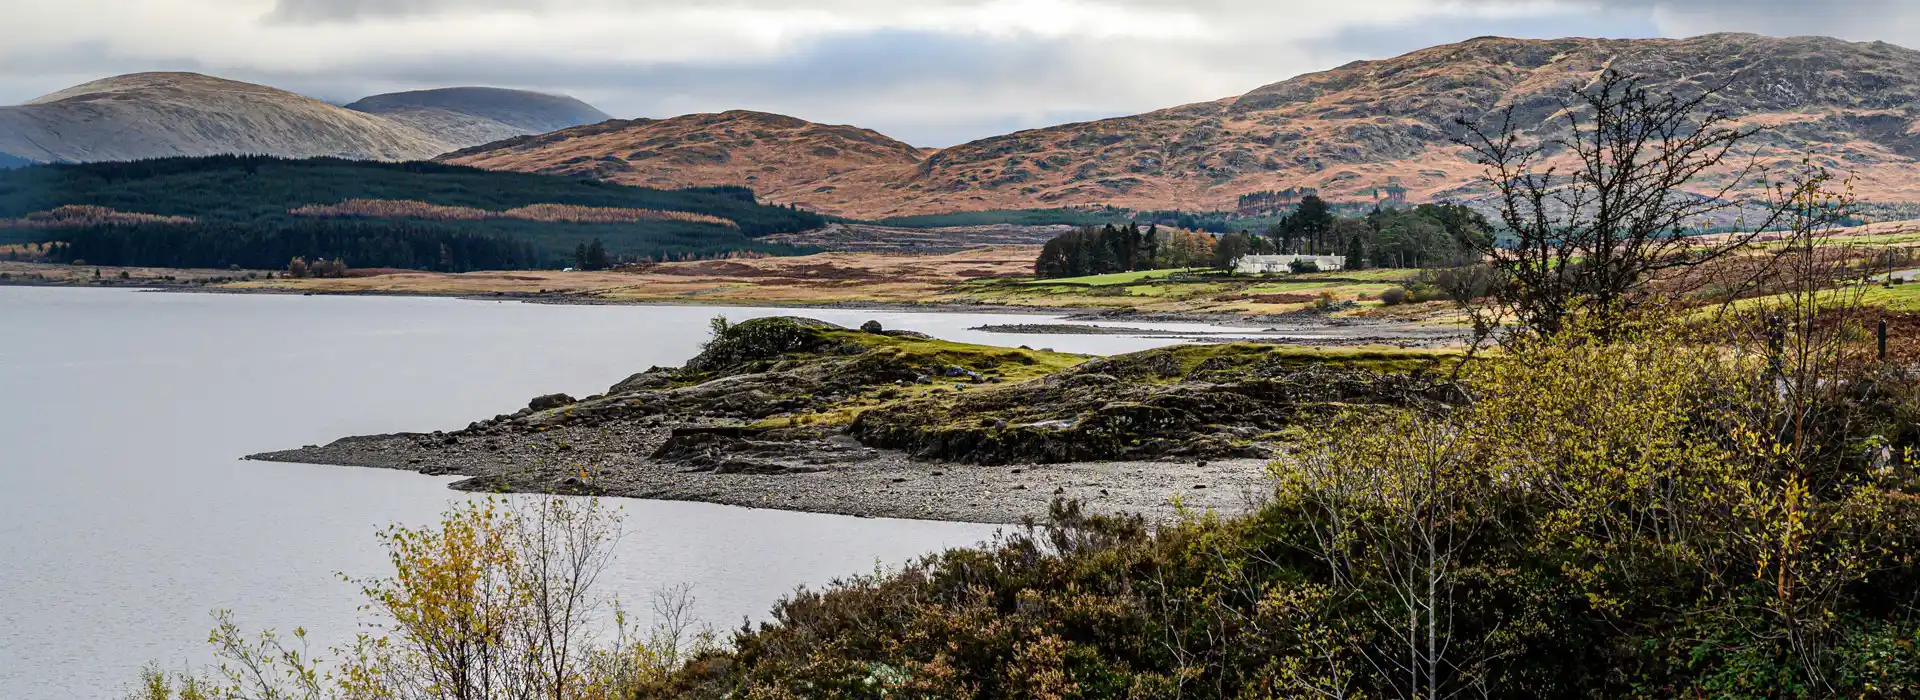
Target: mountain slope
column 148, row 115
column 153, row 115
column 470, row 116
column 1357, row 127
column 1345, row 131
column 768, row 152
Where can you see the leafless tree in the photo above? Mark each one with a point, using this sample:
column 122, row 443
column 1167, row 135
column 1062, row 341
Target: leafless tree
column 563, row 546
column 1390, row 519
column 1601, row 206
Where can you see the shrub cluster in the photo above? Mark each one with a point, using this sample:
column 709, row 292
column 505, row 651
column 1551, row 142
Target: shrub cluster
column 1647, row 517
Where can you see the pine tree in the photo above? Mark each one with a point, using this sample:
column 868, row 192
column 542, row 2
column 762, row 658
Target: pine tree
column 1356, row 253
column 1131, row 242
column 1312, row 221
column 597, row 256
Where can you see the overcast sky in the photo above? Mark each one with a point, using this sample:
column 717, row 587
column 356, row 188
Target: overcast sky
column 931, row 72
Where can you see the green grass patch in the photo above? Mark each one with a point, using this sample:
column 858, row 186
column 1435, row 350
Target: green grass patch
column 1011, row 364
column 1294, row 287
column 1115, row 278
column 1899, row 297
column 1373, row 358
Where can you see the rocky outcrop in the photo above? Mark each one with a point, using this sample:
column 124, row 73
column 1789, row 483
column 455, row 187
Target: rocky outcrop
column 1156, row 404
column 550, row 402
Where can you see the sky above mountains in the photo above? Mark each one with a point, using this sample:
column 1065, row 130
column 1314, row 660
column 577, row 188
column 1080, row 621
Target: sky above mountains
column 931, row 72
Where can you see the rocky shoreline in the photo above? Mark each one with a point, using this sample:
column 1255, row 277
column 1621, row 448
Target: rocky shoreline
column 802, row 415
column 614, row 460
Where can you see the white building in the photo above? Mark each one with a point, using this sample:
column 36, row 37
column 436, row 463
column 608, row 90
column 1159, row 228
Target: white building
column 1283, row 264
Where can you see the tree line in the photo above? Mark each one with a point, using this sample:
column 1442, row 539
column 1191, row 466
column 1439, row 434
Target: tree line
column 1426, row 236
column 264, row 192
column 225, row 244
column 1107, row 249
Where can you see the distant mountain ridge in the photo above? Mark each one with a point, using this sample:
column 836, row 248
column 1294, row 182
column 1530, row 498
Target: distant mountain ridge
column 154, row 115
column 1349, row 132
column 468, row 116
column 1367, row 129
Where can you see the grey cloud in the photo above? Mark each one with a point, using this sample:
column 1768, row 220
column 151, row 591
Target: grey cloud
column 304, row 11
column 299, row 11
column 915, row 86
column 1896, row 21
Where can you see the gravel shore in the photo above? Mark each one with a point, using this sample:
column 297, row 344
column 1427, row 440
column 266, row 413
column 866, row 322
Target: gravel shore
column 847, row 478
column 798, row 414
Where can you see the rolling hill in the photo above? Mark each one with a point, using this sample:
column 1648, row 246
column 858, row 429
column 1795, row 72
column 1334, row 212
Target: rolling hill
column 1344, row 131
column 468, row 116
column 157, row 115
column 767, row 152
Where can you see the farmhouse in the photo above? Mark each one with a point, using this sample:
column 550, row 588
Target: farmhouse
column 1266, row 264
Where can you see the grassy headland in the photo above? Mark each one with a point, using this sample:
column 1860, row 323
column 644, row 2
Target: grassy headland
column 799, row 414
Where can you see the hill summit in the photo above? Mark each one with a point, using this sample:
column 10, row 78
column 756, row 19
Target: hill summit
column 467, row 116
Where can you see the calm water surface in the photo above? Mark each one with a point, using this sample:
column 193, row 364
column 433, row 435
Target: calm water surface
column 126, row 517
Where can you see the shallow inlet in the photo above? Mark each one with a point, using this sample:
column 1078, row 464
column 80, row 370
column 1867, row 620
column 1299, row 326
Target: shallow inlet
column 126, row 517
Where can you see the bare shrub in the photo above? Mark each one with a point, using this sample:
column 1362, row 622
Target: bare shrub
column 497, row 601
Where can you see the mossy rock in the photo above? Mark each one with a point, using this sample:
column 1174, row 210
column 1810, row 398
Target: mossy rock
column 1174, row 402
column 765, row 340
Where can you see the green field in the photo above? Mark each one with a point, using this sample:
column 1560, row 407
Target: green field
column 1118, row 277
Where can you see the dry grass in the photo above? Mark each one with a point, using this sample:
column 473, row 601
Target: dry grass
column 545, row 213
column 993, row 277
column 85, row 275
column 87, row 215
column 811, row 279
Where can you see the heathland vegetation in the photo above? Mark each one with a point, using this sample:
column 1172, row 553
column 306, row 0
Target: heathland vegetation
column 1616, row 492
column 234, row 210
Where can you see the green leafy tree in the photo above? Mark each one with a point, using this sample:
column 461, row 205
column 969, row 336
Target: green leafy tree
column 1230, row 249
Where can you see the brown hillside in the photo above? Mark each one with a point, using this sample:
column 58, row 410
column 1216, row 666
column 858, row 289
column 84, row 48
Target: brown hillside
column 768, row 152
column 1344, row 131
